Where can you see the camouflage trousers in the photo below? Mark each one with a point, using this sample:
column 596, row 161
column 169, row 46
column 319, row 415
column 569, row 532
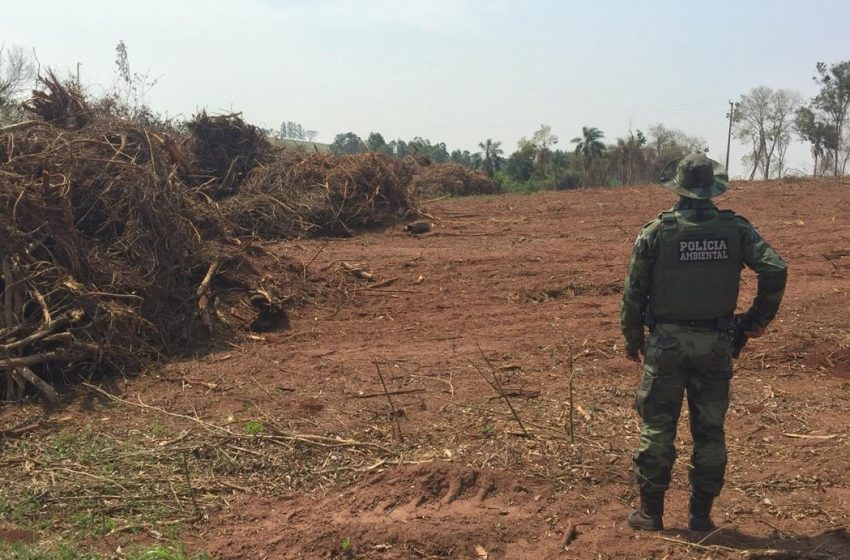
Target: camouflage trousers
column 682, row 360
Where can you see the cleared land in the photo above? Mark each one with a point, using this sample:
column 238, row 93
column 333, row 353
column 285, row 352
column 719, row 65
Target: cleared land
column 285, row 445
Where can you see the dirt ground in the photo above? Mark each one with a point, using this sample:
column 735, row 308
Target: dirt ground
column 285, row 445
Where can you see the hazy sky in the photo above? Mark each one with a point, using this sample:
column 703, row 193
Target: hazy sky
column 453, row 71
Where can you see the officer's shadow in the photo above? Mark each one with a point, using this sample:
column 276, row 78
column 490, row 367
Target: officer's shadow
column 831, row 544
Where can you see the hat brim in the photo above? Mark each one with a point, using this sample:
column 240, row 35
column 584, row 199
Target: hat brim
column 719, row 186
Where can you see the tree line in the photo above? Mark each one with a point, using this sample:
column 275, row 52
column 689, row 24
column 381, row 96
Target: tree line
column 289, row 130
column 765, row 120
column 539, row 164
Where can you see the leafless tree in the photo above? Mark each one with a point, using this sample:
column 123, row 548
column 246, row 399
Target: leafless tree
column 764, row 118
column 17, row 75
column 785, row 104
column 666, row 144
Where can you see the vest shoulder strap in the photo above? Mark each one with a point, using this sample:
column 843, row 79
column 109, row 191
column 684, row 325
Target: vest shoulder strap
column 668, row 218
column 727, row 215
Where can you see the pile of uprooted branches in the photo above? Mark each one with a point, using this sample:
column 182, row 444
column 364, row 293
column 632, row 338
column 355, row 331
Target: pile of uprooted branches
column 222, row 150
column 107, row 258
column 60, row 104
column 116, row 236
column 116, row 244
column 451, row 179
column 302, row 194
column 101, row 251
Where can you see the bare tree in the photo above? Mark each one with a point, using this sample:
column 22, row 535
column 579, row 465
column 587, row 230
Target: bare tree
column 311, row 135
column 785, row 105
column 765, row 119
column 17, row 75
column 749, row 119
column 666, row 144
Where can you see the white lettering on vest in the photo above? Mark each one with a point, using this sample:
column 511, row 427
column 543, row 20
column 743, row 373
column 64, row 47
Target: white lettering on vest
column 704, row 249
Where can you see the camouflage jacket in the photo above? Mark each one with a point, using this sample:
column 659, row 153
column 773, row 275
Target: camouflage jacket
column 771, row 269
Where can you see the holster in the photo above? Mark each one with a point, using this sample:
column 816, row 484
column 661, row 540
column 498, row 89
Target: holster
column 740, row 325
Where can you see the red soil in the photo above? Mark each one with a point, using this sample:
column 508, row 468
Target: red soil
column 529, row 280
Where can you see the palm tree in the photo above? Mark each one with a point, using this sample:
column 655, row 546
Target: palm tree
column 492, row 155
column 588, row 147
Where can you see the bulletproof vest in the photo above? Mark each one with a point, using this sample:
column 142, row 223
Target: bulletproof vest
column 696, row 274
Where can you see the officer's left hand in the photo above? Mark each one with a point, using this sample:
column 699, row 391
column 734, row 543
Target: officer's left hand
column 635, row 355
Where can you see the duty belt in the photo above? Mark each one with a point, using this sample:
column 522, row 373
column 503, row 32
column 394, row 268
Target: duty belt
column 720, row 323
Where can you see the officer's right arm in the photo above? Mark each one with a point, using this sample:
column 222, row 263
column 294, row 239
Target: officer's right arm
column 636, row 291
column 772, row 274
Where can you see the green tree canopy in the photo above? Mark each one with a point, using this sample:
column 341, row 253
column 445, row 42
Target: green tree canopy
column 376, row 143
column 831, row 105
column 347, row 143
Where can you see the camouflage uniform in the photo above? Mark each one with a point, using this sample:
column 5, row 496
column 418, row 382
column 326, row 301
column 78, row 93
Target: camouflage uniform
column 689, row 357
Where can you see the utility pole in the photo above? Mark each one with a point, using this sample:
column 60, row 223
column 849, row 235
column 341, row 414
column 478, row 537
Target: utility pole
column 730, row 114
column 78, row 75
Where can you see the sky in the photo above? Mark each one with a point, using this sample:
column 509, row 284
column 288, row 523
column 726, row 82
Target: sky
column 453, row 71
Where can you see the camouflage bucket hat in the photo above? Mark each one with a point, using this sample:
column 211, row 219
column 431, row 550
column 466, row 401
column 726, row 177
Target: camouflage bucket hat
column 695, row 176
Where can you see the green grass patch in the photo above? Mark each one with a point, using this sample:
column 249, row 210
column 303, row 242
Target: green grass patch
column 23, row 551
column 159, row 552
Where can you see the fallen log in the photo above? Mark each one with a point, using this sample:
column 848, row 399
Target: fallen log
column 77, row 352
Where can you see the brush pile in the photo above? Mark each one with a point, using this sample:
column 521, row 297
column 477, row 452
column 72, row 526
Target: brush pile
column 223, row 151
column 318, row 194
column 101, row 255
column 451, row 179
column 107, row 259
column 58, row 104
column 119, row 240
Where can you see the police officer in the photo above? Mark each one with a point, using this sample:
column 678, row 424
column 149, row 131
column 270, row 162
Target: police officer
column 682, row 283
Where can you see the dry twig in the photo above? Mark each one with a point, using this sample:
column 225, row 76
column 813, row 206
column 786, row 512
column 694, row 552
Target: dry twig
column 386, row 393
column 498, row 388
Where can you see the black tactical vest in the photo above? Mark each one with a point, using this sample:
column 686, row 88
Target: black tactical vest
column 696, row 274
